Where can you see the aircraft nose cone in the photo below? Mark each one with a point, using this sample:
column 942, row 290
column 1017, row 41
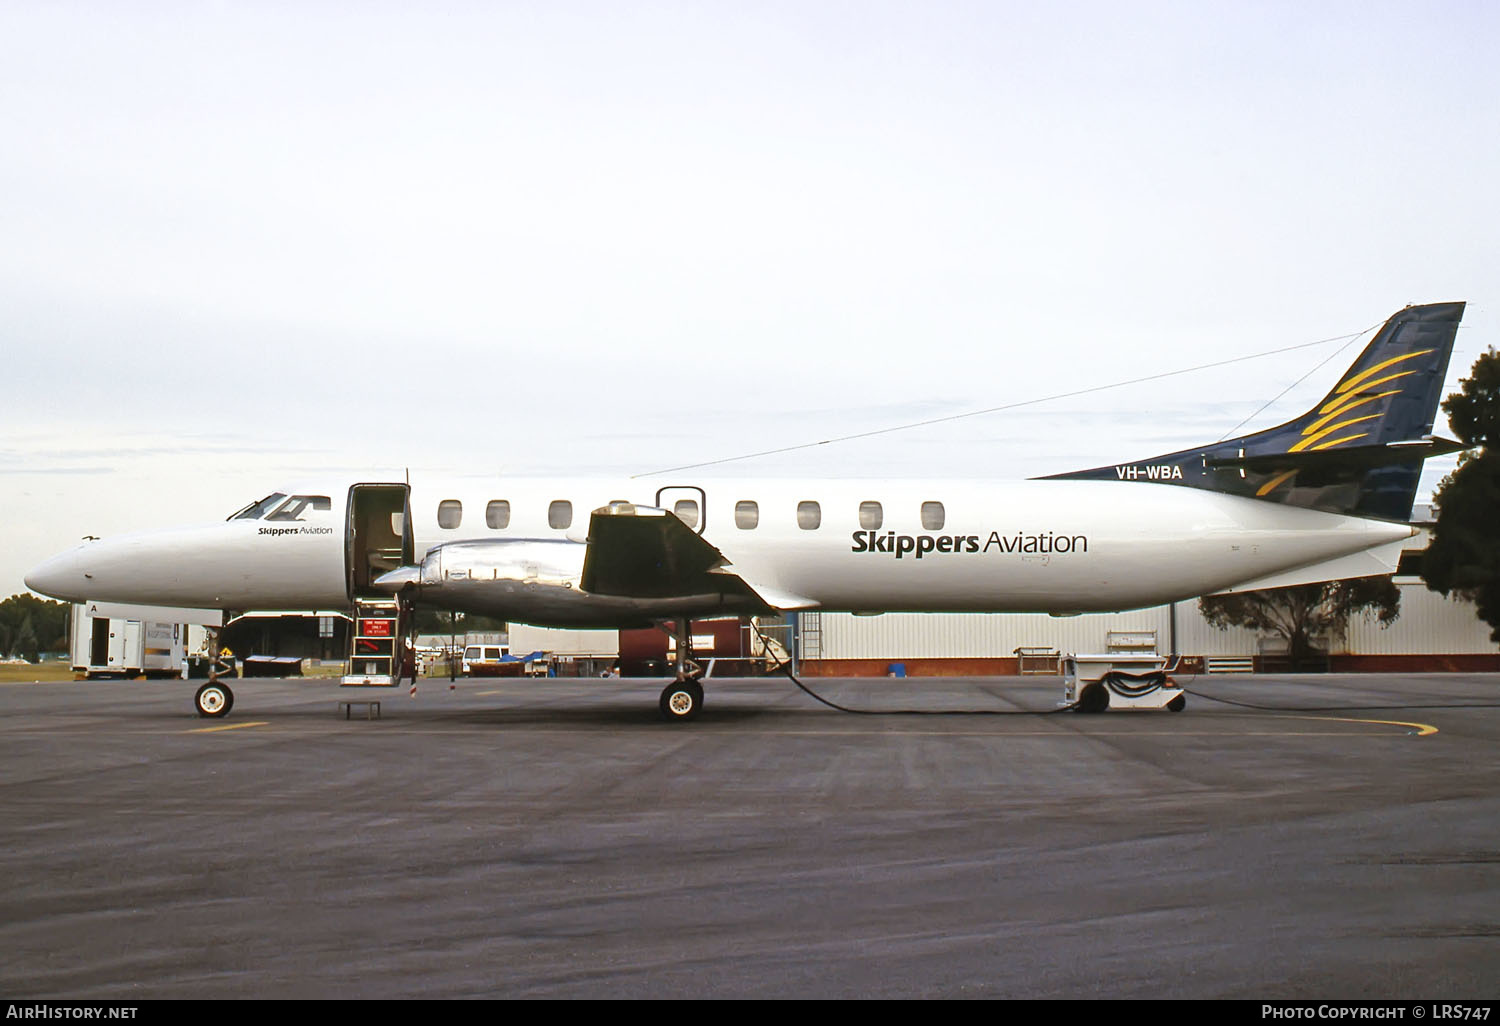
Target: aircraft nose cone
column 61, row 577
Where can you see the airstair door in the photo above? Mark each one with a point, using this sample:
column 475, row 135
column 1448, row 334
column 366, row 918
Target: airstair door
column 379, row 535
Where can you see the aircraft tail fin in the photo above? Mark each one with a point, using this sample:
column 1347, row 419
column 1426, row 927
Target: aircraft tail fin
column 1359, row 451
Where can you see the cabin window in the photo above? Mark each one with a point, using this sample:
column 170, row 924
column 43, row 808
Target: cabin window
column 871, row 516
column 560, row 514
column 933, row 516
column 497, row 514
column 746, row 514
column 687, row 512
column 809, row 515
column 293, row 508
column 450, row 514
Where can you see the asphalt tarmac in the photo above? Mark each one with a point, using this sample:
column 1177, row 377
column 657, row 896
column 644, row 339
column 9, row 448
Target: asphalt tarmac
column 550, row 838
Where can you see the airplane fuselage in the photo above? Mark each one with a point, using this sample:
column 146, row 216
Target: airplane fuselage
column 851, row 545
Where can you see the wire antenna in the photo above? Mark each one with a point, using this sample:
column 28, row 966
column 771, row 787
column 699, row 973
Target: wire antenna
column 1346, row 339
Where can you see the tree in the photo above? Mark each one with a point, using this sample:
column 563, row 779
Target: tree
column 1302, row 612
column 437, row 621
column 1463, row 558
column 25, row 641
column 30, row 625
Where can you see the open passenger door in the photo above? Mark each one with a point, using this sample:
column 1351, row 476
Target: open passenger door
column 379, row 535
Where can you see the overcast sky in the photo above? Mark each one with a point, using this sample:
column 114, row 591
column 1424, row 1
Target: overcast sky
column 246, row 242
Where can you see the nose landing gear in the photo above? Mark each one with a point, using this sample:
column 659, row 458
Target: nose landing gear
column 214, row 699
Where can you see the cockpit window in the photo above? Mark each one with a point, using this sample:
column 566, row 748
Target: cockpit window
column 294, row 507
column 256, row 510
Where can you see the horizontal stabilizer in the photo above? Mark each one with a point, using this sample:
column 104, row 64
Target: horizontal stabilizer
column 1354, row 457
column 1376, row 562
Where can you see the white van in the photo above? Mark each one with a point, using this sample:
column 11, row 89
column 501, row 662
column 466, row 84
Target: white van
column 483, row 660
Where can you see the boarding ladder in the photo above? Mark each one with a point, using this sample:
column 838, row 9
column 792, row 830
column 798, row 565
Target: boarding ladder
column 374, row 644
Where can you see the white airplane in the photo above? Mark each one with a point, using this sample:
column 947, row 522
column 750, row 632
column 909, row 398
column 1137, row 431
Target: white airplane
column 1325, row 496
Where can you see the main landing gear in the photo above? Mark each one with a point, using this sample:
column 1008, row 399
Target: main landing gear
column 682, row 699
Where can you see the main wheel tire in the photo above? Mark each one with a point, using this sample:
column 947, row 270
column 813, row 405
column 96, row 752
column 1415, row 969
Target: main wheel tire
column 214, row 699
column 1178, row 704
column 1094, row 698
column 681, row 700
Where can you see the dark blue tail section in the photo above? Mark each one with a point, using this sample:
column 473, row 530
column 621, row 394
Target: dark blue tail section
column 1359, row 451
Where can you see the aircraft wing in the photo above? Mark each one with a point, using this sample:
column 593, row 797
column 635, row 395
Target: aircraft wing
column 649, row 553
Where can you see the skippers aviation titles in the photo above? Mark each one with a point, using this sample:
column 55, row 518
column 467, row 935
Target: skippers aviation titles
column 900, row 545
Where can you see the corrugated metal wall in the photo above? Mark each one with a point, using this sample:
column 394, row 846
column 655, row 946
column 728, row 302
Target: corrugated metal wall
column 1429, row 624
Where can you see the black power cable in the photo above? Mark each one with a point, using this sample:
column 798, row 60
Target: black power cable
column 787, row 669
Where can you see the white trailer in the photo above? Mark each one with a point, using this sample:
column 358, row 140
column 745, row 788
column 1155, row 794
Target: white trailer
column 105, row 646
column 579, row 644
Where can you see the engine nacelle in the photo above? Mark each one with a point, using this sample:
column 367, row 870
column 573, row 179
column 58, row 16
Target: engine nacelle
column 544, row 563
column 525, row 580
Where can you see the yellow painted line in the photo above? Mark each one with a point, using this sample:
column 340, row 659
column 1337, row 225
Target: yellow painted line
column 481, row 694
column 230, row 726
column 1082, row 734
column 718, row 730
column 714, row 730
column 1058, row 733
column 1422, row 729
